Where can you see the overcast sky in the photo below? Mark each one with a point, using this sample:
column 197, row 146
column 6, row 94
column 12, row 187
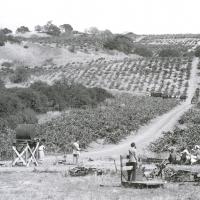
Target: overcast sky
column 138, row 16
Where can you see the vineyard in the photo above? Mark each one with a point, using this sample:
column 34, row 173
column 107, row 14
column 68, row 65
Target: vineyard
column 111, row 121
column 186, row 42
column 168, row 76
column 185, row 134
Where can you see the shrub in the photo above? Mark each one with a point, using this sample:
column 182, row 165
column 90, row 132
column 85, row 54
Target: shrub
column 32, row 99
column 142, row 51
column 197, row 52
column 120, row 43
column 25, row 116
column 62, row 95
column 22, row 29
column 67, row 28
column 9, row 104
column 5, row 31
column 38, row 28
column 20, row 75
column 51, row 29
column 7, row 138
column 169, row 53
column 7, row 64
column 71, row 48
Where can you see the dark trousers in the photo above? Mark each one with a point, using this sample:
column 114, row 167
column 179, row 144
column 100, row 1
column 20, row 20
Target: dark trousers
column 131, row 173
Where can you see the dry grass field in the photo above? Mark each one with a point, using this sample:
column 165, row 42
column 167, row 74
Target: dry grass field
column 55, row 183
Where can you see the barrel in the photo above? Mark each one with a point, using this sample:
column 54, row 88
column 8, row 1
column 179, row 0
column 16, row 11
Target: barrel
column 25, row 132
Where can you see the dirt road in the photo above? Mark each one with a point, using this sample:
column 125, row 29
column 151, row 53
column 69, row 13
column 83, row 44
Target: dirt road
column 153, row 130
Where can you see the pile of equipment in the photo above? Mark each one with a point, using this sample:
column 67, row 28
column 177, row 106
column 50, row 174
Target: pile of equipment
column 83, row 171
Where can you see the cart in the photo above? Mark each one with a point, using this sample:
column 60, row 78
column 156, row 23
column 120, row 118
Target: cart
column 140, row 181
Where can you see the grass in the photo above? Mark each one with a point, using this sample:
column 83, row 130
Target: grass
column 31, row 185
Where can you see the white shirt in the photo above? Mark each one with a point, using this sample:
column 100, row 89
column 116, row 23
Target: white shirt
column 76, row 148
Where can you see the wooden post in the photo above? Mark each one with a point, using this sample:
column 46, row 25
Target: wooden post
column 121, row 168
column 26, row 155
column 115, row 165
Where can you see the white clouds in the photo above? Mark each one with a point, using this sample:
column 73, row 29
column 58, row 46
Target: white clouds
column 139, row 16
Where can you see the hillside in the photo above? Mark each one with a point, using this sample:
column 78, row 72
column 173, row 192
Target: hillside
column 36, row 54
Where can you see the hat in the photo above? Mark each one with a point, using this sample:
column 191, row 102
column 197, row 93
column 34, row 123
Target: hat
column 172, row 149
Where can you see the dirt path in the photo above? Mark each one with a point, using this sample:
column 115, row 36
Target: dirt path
column 152, row 131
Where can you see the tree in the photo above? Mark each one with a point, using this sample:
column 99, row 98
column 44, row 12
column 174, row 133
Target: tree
column 3, row 39
column 22, row 29
column 106, row 35
column 66, row 28
column 5, row 31
column 120, row 43
column 92, row 31
column 51, row 29
column 38, row 28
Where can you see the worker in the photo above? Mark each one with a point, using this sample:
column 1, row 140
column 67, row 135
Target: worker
column 196, row 153
column 41, row 149
column 185, row 156
column 172, row 156
column 133, row 160
column 76, row 151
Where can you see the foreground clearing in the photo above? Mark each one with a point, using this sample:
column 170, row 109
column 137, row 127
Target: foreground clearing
column 58, row 185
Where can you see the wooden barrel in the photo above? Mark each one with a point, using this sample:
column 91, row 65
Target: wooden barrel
column 25, row 132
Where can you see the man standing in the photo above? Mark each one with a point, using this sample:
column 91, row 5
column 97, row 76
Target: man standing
column 172, row 156
column 76, row 152
column 133, row 160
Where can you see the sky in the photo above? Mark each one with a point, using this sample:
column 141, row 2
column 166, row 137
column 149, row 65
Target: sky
column 119, row 16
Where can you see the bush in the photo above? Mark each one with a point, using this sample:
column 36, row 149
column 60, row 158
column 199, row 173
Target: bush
column 169, row 53
column 5, row 31
column 9, row 104
column 32, row 99
column 142, row 51
column 197, row 52
column 51, row 29
column 120, row 43
column 22, row 29
column 71, row 48
column 20, row 75
column 7, row 64
column 26, row 116
column 20, row 105
column 7, row 138
column 67, row 28
column 62, row 95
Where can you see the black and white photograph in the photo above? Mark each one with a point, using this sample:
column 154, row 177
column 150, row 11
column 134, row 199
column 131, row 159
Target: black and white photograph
column 100, row 100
